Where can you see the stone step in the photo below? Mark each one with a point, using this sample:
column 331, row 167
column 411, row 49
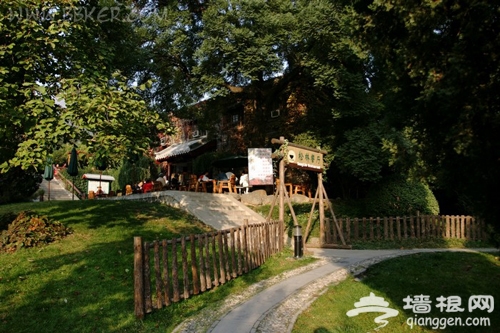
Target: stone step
column 221, row 211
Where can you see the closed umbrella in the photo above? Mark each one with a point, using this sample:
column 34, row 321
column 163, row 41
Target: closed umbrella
column 73, row 168
column 48, row 173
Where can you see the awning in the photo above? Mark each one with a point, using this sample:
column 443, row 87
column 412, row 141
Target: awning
column 93, row 176
column 181, row 148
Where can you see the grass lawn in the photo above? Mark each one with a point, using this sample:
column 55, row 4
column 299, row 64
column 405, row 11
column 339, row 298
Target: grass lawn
column 84, row 283
column 429, row 274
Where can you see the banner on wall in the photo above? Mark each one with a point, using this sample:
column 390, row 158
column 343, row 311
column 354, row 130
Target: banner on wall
column 260, row 166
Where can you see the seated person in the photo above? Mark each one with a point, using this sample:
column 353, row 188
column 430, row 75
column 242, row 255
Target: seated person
column 148, row 186
column 161, row 180
column 174, row 182
column 229, row 174
column 222, row 176
column 99, row 192
column 207, row 180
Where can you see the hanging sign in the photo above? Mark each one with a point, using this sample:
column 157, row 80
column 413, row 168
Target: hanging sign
column 302, row 157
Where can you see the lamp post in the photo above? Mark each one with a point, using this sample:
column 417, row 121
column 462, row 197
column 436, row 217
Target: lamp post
column 297, row 236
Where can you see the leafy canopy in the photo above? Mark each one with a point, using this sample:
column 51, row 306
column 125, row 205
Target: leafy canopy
column 60, row 82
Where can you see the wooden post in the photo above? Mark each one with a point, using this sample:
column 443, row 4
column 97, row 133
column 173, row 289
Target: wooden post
column 138, row 279
column 159, row 295
column 185, row 276
column 226, row 256
column 194, row 267
column 166, row 275
column 321, row 210
column 208, row 273
column 147, row 280
column 221, row 258
column 233, row 253
column 282, row 202
column 201, row 245
column 238, row 250
column 214, row 261
column 244, row 229
column 175, row 273
column 308, row 227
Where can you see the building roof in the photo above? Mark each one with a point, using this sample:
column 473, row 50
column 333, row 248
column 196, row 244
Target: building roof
column 181, row 148
column 93, row 176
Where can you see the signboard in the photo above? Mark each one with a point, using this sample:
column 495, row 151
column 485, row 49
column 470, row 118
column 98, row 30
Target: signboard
column 305, row 158
column 260, row 166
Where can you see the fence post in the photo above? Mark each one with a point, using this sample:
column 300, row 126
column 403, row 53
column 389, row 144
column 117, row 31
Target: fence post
column 194, row 267
column 138, row 279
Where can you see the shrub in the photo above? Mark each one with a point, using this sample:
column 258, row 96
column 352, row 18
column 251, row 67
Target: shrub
column 400, row 197
column 31, row 230
column 6, row 219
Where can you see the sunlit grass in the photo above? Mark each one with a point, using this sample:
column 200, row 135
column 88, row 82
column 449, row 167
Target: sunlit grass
column 84, row 283
column 432, row 274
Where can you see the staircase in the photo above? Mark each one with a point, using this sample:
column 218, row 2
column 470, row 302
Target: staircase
column 221, row 211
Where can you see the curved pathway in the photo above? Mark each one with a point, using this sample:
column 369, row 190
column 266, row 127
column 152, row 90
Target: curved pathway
column 276, row 308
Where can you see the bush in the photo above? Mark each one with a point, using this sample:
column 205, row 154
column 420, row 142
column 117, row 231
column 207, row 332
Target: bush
column 17, row 185
column 6, row 219
column 31, row 230
column 400, row 197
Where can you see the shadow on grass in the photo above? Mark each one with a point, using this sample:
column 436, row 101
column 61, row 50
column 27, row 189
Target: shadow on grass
column 84, row 283
column 444, row 274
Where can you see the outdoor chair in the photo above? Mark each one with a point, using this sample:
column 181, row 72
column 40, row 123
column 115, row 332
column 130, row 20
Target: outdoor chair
column 157, row 186
column 229, row 185
column 128, row 190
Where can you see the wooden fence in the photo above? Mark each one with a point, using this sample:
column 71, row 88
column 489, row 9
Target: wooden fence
column 407, row 227
column 168, row 271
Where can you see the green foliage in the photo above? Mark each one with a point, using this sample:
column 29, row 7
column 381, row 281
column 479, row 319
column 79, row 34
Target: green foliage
column 132, row 172
column 80, row 184
column 30, row 229
column 361, row 155
column 397, row 196
column 61, row 82
column 435, row 68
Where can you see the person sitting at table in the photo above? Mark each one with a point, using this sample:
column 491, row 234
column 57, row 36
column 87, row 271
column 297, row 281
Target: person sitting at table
column 174, row 182
column 229, row 174
column 161, row 180
column 207, row 181
column 148, row 186
column 99, row 192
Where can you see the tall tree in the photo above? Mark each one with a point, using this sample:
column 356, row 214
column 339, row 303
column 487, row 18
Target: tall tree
column 62, row 81
column 296, row 56
column 438, row 73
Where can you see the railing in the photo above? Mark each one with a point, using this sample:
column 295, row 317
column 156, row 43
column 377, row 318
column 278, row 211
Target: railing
column 168, row 271
column 407, row 227
column 70, row 186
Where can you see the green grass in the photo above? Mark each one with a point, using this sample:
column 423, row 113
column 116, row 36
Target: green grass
column 84, row 283
column 433, row 274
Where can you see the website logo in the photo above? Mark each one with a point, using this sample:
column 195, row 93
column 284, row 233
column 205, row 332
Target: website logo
column 374, row 303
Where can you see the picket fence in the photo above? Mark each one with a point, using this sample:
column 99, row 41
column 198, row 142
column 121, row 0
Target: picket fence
column 407, row 227
column 181, row 267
